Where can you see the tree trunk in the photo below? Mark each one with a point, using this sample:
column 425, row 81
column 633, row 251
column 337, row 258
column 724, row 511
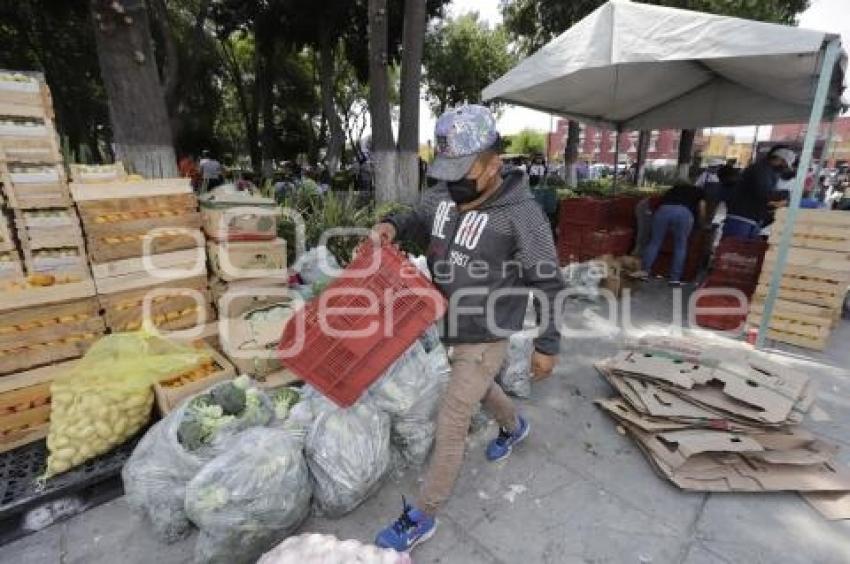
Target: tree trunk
column 686, row 152
column 327, row 70
column 643, row 151
column 571, row 153
column 141, row 130
column 383, row 147
column 413, row 39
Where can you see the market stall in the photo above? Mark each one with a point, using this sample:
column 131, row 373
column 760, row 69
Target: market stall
column 635, row 66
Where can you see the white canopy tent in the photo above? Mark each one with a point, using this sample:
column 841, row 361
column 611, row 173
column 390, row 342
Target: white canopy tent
column 635, row 66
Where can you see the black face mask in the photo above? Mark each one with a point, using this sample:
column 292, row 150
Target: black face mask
column 463, row 191
column 787, row 175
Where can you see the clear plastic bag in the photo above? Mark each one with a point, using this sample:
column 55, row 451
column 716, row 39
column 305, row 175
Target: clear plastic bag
column 313, row 548
column 410, row 392
column 430, row 338
column 583, row 279
column 250, row 497
column 348, row 452
column 317, row 265
column 156, row 474
column 515, row 374
column 107, row 397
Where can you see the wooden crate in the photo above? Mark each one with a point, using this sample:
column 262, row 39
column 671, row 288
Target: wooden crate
column 11, row 269
column 35, row 187
column 41, row 335
column 836, row 262
column 29, row 141
column 68, row 263
column 97, row 174
column 134, row 192
column 164, row 236
column 131, row 274
column 247, row 259
column 797, row 324
column 7, row 242
column 171, row 391
column 228, row 218
column 25, row 404
column 173, row 305
column 27, row 295
column 46, row 229
column 24, row 94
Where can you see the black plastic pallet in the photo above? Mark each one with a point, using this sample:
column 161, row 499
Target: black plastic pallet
column 94, row 482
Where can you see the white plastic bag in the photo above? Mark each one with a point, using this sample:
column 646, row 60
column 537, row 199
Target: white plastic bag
column 348, row 452
column 316, row 265
column 250, row 497
column 515, row 374
column 312, row 548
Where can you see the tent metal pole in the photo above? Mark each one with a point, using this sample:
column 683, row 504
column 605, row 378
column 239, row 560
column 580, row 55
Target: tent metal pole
column 824, row 82
column 616, row 158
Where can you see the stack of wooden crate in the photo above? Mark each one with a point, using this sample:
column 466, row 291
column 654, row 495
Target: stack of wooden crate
column 814, row 282
column 146, row 250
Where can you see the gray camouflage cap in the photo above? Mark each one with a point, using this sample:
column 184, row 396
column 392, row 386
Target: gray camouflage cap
column 461, row 135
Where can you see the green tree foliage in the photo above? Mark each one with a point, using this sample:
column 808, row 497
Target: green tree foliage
column 533, row 23
column 461, row 57
column 526, row 142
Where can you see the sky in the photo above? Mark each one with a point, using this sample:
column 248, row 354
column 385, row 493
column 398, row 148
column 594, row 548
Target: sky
column 823, row 15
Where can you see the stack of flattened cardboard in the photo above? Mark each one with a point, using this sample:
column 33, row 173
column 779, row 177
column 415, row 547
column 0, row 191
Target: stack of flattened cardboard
column 718, row 423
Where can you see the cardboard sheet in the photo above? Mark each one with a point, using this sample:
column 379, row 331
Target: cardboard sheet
column 834, row 506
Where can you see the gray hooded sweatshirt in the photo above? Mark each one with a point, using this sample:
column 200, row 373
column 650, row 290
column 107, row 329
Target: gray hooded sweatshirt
column 486, row 260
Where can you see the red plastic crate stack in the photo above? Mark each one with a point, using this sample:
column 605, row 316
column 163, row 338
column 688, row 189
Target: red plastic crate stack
column 590, row 228
column 737, row 264
column 389, row 307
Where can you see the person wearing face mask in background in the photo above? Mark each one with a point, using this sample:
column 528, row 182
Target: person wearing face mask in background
column 487, row 235
column 751, row 203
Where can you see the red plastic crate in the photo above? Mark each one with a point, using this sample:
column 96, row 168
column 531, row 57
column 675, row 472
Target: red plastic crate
column 741, row 256
column 726, row 322
column 730, row 280
column 616, row 242
column 623, row 211
column 341, row 366
column 585, row 211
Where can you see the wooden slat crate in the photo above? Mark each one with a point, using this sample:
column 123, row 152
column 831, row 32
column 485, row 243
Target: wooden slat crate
column 132, row 273
column 7, row 242
column 127, row 240
column 797, row 324
column 11, row 269
column 97, row 174
column 135, row 192
column 46, row 229
column 29, row 141
column 173, row 305
column 41, row 335
column 170, row 392
column 24, row 95
column 25, row 404
column 16, row 295
column 67, row 263
column 35, row 187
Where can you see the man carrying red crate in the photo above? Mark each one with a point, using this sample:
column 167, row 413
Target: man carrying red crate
column 489, row 244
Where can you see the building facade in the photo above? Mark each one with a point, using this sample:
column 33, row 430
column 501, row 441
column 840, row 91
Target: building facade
column 836, row 153
column 597, row 145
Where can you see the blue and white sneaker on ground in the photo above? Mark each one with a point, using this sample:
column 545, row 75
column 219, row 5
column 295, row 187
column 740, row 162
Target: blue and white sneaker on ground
column 500, row 448
column 412, row 528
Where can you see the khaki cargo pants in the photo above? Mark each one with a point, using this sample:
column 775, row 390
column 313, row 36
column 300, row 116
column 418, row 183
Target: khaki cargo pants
column 474, row 369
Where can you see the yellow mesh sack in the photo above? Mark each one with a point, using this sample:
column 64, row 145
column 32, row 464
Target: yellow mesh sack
column 107, row 397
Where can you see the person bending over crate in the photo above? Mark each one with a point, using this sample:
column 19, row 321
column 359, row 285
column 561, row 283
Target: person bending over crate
column 488, row 238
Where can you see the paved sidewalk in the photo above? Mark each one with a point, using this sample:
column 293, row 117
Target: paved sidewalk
column 576, row 491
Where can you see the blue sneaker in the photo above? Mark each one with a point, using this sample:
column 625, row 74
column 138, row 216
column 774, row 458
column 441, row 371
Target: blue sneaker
column 412, row 528
column 500, row 448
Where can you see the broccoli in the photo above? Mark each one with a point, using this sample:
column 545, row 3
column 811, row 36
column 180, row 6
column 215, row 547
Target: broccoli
column 230, row 397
